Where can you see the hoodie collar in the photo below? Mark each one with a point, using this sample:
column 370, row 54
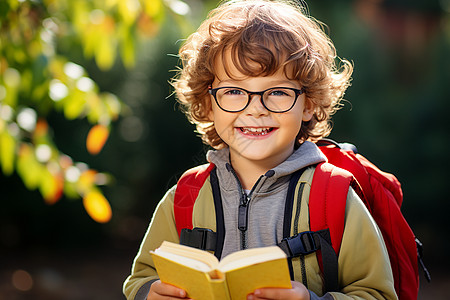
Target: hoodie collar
column 306, row 155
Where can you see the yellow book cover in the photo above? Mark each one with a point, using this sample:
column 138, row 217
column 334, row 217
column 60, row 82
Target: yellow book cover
column 203, row 277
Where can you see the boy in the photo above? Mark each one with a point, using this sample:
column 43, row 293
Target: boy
column 260, row 81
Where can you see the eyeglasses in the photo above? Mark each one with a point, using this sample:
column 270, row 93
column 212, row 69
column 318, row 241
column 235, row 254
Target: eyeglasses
column 276, row 99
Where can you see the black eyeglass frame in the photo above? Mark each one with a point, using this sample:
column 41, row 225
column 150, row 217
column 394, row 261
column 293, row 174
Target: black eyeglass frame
column 298, row 92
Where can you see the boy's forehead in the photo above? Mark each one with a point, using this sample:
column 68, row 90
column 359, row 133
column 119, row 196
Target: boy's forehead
column 227, row 66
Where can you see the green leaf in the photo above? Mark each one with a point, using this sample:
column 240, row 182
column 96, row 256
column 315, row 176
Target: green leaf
column 28, row 168
column 127, row 48
column 12, row 79
column 112, row 104
column 40, row 66
column 4, row 9
column 105, row 52
column 51, row 186
column 13, row 4
column 74, row 105
column 154, row 8
column 70, row 190
column 129, row 10
column 7, row 152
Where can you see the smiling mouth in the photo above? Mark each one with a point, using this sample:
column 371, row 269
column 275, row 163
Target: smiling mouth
column 256, row 131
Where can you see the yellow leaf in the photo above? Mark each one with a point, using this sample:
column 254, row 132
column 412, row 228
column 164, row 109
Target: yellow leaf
column 147, row 26
column 111, row 3
column 153, row 7
column 127, row 48
column 14, row 4
column 79, row 14
column 94, row 107
column 90, row 41
column 41, row 128
column 112, row 104
column 70, row 190
column 11, row 95
column 28, row 167
column 96, row 138
column 7, row 152
column 129, row 9
column 74, row 105
column 97, row 207
column 105, row 53
column 86, row 180
column 51, row 186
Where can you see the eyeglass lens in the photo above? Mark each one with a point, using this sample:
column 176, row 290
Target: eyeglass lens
column 236, row 99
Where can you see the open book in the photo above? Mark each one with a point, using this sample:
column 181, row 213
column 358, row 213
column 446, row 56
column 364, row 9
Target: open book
column 202, row 276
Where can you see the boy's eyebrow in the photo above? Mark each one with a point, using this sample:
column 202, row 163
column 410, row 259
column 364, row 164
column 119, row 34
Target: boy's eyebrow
column 276, row 83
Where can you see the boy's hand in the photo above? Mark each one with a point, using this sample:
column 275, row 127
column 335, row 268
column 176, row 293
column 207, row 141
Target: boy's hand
column 298, row 292
column 161, row 290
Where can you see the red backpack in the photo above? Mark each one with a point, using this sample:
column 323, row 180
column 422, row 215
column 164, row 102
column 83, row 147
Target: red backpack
column 381, row 193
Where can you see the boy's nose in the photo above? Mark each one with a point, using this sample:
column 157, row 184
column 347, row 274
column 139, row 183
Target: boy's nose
column 255, row 107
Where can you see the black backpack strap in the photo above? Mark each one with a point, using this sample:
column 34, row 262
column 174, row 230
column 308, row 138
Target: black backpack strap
column 344, row 146
column 302, row 243
column 426, row 273
column 308, row 242
column 200, row 238
column 288, row 208
column 329, row 262
column 220, row 223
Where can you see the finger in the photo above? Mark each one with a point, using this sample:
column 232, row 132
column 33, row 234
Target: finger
column 298, row 291
column 271, row 293
column 165, row 289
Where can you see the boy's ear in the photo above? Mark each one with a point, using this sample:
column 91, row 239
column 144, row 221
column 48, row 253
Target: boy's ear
column 210, row 110
column 308, row 110
column 211, row 115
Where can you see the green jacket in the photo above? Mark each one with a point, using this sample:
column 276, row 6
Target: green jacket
column 364, row 268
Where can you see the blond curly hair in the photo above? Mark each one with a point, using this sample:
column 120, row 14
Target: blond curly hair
column 263, row 37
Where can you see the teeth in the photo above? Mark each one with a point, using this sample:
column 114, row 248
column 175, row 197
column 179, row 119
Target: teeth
column 258, row 131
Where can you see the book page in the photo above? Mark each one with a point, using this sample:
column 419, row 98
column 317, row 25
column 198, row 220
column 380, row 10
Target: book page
column 197, row 284
column 190, row 252
column 249, row 257
column 186, row 261
column 273, row 273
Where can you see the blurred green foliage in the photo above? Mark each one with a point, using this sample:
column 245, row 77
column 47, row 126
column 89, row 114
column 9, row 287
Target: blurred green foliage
column 38, row 79
column 395, row 114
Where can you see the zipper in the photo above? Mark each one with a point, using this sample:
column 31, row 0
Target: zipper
column 243, row 219
column 244, row 203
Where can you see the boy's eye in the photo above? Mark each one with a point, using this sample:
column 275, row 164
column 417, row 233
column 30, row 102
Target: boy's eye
column 236, row 92
column 279, row 92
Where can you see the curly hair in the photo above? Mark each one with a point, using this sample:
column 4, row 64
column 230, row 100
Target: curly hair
column 263, row 36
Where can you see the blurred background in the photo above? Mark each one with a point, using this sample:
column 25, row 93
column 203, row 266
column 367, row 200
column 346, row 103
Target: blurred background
column 91, row 136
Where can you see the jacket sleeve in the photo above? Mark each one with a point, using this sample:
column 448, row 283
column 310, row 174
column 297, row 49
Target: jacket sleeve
column 364, row 267
column 161, row 228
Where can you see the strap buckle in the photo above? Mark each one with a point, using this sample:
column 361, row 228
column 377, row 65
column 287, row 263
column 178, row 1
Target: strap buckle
column 302, row 243
column 200, row 238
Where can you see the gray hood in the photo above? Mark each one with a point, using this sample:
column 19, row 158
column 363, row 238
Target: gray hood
column 268, row 195
column 306, row 155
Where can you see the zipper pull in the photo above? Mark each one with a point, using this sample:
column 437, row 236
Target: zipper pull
column 243, row 214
